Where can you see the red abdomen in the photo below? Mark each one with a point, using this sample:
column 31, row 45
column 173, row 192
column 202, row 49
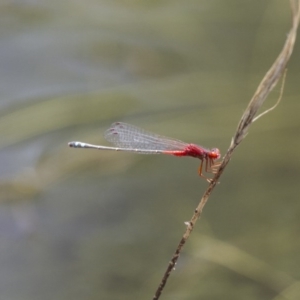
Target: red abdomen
column 193, row 151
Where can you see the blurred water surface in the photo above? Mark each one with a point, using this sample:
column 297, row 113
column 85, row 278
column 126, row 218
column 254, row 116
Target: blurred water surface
column 83, row 224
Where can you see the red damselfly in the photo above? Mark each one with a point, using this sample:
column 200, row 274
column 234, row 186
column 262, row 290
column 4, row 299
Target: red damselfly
column 133, row 139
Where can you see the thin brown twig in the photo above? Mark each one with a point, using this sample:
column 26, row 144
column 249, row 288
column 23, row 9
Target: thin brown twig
column 267, row 84
column 278, row 100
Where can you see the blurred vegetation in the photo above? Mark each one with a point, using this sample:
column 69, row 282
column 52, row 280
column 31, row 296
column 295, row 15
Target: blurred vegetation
column 83, row 224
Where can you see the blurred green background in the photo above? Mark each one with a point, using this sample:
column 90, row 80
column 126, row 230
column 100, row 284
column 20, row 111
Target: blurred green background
column 82, row 224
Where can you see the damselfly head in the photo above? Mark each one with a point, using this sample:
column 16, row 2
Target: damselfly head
column 214, row 153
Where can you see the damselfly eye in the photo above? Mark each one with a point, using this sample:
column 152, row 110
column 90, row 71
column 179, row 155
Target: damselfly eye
column 215, row 153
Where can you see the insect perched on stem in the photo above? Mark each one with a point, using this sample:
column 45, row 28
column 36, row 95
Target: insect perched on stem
column 129, row 138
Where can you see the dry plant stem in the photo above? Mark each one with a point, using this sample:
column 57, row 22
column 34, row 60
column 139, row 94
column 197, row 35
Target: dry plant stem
column 265, row 87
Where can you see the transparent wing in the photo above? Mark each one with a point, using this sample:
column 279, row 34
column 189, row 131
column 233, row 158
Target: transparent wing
column 128, row 136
